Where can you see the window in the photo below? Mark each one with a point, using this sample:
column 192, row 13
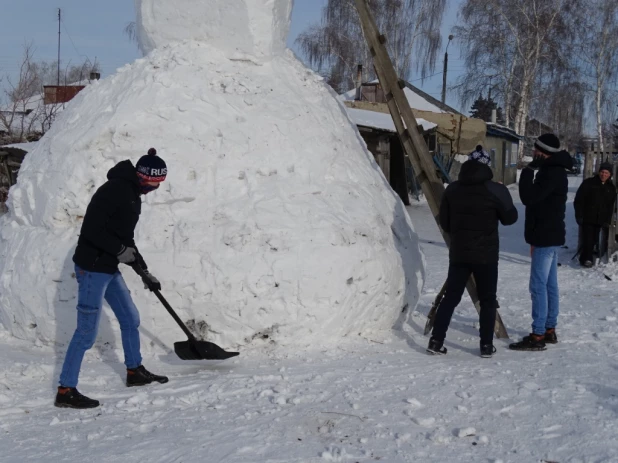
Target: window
column 514, row 153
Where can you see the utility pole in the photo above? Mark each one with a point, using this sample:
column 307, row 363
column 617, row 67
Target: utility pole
column 59, row 20
column 450, row 37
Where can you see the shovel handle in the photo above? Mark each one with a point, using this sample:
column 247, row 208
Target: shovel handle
column 140, row 271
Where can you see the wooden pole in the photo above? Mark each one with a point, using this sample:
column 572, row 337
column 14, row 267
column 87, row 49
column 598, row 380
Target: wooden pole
column 411, row 139
column 588, row 164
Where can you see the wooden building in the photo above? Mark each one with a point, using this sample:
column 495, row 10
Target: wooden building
column 446, row 131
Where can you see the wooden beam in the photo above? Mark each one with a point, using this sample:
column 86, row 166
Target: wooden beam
column 588, row 164
column 411, row 139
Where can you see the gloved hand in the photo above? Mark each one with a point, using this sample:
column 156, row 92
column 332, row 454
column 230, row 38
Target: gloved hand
column 151, row 282
column 127, row 255
column 535, row 163
column 579, row 221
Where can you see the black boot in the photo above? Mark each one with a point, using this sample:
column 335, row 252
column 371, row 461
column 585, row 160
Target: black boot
column 487, row 350
column 550, row 336
column 532, row 342
column 435, row 347
column 140, row 377
column 69, row 397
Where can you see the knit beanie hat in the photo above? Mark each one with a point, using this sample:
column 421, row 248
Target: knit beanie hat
column 548, row 143
column 151, row 168
column 606, row 166
column 480, row 155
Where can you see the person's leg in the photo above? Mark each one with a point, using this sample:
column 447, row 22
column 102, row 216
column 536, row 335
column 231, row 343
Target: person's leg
column 91, row 288
column 542, row 259
column 588, row 242
column 119, row 299
column 553, row 295
column 486, row 277
column 458, row 275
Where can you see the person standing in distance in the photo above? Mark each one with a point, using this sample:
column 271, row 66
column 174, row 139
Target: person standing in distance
column 594, row 208
column 105, row 241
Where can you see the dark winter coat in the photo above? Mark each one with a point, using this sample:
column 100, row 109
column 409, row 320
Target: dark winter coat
column 470, row 210
column 110, row 221
column 545, row 198
column 594, row 202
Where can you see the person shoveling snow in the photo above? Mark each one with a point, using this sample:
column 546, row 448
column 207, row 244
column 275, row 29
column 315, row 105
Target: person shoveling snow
column 105, row 241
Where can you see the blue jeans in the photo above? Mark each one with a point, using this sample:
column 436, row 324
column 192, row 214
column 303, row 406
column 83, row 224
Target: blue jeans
column 93, row 288
column 544, row 289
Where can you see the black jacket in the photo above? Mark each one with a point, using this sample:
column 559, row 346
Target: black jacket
column 110, row 221
column 594, row 202
column 470, row 210
column 545, row 199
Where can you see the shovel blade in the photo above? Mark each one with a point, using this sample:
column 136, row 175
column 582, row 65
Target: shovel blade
column 201, row 350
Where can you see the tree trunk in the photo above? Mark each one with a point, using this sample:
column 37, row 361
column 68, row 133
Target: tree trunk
column 598, row 101
column 523, row 105
column 508, row 93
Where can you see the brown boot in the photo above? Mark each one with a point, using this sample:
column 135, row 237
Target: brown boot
column 550, row 336
column 532, row 342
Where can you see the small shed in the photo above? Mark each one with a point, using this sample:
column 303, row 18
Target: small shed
column 378, row 131
column 503, row 146
column 58, row 94
column 11, row 157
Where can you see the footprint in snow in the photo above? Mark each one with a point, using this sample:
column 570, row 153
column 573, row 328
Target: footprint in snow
column 425, row 422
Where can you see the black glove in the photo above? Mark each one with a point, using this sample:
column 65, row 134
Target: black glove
column 127, row 255
column 535, row 163
column 151, row 282
column 579, row 221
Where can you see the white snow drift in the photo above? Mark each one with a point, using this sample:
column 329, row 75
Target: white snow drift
column 274, row 221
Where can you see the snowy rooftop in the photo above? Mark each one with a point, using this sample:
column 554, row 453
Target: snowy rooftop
column 382, row 121
column 416, row 101
column 27, row 147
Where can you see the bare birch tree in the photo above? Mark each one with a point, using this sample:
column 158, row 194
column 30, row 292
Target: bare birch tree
column 21, row 99
column 336, row 46
column 598, row 54
column 510, row 42
column 22, row 108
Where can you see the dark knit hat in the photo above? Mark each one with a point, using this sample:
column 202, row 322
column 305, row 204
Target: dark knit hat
column 151, row 167
column 480, row 156
column 607, row 166
column 548, row 143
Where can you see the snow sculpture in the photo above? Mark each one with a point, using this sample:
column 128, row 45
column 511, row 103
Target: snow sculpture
column 253, row 27
column 274, row 222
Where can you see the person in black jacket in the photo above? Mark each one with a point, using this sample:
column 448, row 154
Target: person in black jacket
column 545, row 199
column 470, row 211
column 594, row 208
column 106, row 240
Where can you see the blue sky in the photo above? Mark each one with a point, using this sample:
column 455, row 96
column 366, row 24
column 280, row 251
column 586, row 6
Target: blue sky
column 95, row 30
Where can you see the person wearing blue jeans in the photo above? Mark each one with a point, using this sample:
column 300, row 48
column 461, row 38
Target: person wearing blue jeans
column 105, row 241
column 545, row 198
column 544, row 289
column 93, row 288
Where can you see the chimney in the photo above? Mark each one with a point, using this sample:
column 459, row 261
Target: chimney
column 494, row 116
column 359, row 82
column 95, row 75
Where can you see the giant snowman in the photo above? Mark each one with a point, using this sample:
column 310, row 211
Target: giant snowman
column 274, row 225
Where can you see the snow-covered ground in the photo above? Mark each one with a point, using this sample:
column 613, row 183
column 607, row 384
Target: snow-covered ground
column 362, row 402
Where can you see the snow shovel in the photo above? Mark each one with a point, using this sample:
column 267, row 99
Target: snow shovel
column 192, row 349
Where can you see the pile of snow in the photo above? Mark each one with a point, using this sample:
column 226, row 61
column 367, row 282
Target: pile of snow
column 274, row 220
